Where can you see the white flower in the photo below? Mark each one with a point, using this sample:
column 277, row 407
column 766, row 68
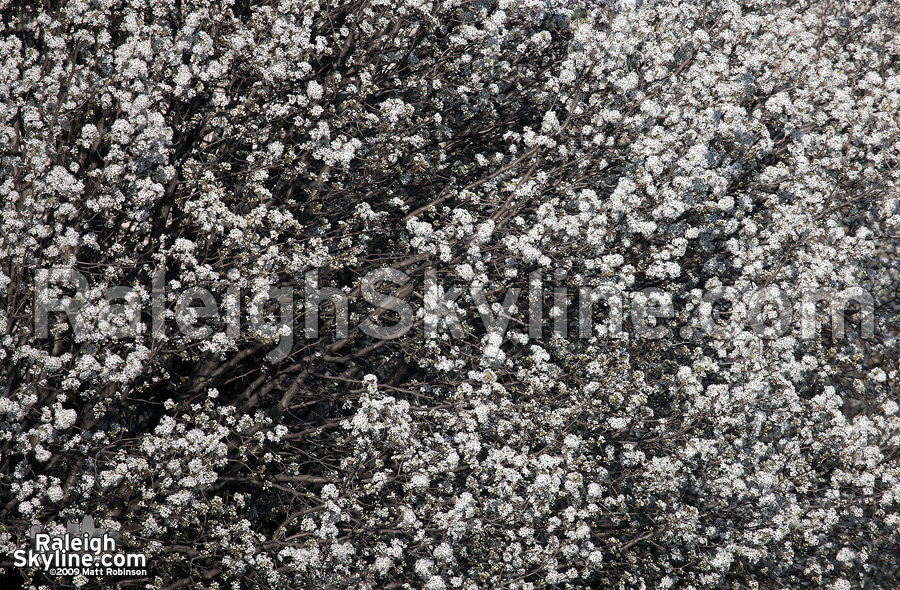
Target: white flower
column 419, row 482
column 382, row 565
column 166, row 426
column 423, row 567
column 314, row 90
column 329, row 491
column 443, row 552
column 64, row 419
column 846, row 555
column 55, row 493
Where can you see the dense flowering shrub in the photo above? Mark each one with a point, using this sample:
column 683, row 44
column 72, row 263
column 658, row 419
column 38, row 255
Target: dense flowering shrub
column 489, row 151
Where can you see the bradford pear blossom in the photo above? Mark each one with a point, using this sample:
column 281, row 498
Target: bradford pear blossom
column 167, row 167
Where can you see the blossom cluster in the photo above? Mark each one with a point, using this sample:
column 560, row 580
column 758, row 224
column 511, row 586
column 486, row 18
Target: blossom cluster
column 677, row 146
